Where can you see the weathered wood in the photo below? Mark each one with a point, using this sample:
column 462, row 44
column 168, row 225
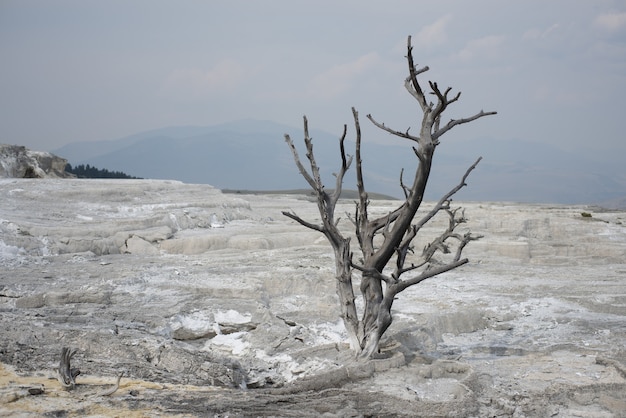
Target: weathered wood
column 391, row 235
column 114, row 388
column 67, row 375
column 326, row 204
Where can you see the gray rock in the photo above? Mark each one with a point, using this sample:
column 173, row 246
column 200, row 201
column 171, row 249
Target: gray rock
column 138, row 245
column 19, row 162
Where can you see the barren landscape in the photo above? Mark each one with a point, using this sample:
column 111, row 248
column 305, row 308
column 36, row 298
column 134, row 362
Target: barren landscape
column 215, row 304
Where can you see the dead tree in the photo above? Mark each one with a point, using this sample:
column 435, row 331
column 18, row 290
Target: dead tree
column 67, row 374
column 390, row 237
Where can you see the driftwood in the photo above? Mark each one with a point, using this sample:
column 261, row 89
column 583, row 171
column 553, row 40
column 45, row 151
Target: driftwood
column 67, row 375
column 114, row 388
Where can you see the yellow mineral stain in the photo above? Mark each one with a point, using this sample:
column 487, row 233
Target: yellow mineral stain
column 15, row 399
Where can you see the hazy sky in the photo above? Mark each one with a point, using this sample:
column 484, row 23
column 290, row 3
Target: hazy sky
column 86, row 70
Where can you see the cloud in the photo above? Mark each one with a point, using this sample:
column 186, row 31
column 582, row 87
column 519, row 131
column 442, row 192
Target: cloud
column 536, row 33
column 435, row 33
column 557, row 95
column 340, row 78
column 611, row 21
column 194, row 83
column 481, row 47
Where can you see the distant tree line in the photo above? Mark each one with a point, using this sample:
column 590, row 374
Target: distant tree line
column 86, row 171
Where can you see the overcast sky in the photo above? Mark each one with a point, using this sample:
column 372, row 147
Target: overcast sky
column 91, row 70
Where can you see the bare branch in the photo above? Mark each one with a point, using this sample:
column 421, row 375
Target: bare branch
column 427, row 274
column 114, row 388
column 466, row 239
column 414, row 87
column 405, row 189
column 418, row 155
column 455, row 122
column 439, row 243
column 401, row 253
column 303, row 222
column 446, row 198
column 299, row 164
column 342, row 148
column 442, row 99
column 361, row 215
column 357, row 224
column 385, row 221
column 404, row 270
column 315, row 170
column 359, row 162
column 393, row 132
column 345, row 165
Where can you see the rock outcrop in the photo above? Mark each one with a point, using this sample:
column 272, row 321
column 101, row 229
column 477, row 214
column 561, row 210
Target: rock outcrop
column 19, row 162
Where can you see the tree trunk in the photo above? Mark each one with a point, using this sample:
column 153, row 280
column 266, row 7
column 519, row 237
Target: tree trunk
column 370, row 332
column 376, row 320
column 343, row 276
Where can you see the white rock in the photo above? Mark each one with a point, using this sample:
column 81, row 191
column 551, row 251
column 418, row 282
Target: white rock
column 137, row 245
column 215, row 223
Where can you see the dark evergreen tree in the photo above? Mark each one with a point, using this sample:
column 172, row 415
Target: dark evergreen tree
column 88, row 172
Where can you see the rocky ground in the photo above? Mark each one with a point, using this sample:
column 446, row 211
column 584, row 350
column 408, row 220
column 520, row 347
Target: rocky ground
column 215, row 304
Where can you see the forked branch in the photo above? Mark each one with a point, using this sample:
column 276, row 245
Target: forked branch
column 411, row 83
column 444, row 201
column 427, row 274
column 326, row 203
column 439, row 243
column 455, row 122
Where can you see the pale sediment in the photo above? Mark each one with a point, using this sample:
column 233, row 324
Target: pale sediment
column 195, row 295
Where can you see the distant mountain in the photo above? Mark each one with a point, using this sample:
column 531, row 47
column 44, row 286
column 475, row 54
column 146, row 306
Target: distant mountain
column 252, row 155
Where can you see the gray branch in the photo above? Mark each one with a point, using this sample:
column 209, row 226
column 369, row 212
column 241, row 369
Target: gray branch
column 455, row 122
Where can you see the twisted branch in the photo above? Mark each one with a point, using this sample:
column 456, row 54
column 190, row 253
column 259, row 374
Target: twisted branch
column 67, row 375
